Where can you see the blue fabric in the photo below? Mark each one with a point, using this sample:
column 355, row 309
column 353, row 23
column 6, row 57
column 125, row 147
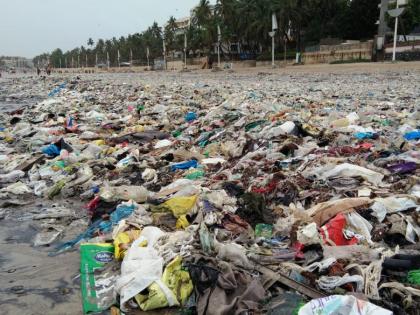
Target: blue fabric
column 52, row 150
column 184, row 165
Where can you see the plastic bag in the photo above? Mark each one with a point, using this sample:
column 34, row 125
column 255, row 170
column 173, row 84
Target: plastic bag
column 181, row 205
column 350, row 170
column 123, row 241
column 309, row 235
column 18, row 188
column 343, row 305
column 97, row 287
column 333, row 232
column 384, row 206
column 52, row 150
column 190, row 116
column 111, row 194
column 184, row 165
column 141, row 266
column 11, row 177
column 413, row 135
column 178, row 282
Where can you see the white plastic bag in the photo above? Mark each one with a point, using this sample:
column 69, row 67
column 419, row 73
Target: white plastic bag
column 341, row 305
column 141, row 267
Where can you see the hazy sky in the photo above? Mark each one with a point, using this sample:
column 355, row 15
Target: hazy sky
column 31, row 27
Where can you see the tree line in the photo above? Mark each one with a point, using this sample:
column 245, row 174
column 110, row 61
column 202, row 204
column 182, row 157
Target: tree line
column 245, row 22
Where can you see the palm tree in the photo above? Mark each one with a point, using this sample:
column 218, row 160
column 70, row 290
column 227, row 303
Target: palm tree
column 225, row 11
column 170, row 34
column 203, row 26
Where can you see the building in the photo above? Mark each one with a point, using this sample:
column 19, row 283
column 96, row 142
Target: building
column 11, row 62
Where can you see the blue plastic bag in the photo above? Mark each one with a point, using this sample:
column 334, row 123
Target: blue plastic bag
column 412, row 135
column 365, row 135
column 57, row 90
column 52, row 150
column 191, row 116
column 184, row 165
column 123, row 211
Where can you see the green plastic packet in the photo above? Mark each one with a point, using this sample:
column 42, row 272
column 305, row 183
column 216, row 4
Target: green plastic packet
column 195, row 175
column 264, row 230
column 97, row 278
column 176, row 133
column 413, row 277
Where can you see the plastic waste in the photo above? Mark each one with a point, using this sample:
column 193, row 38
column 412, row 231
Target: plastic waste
column 350, row 170
column 184, row 165
column 309, row 235
column 178, row 282
column 366, row 135
column 343, row 305
column 413, row 135
column 333, row 233
column 191, row 116
column 264, row 230
column 123, row 241
column 180, row 206
column 17, row 188
column 136, row 193
column 57, row 90
column 11, row 177
column 141, row 266
column 403, row 168
column 52, row 150
column 122, row 211
column 97, row 287
column 163, row 144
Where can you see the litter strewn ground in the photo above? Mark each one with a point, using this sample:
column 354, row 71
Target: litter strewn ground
column 211, row 193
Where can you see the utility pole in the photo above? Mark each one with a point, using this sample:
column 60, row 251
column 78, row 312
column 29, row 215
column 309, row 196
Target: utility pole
column 219, row 41
column 131, row 57
column 164, row 50
column 86, row 61
column 395, row 13
column 147, row 55
column 185, row 48
column 96, row 60
column 118, row 57
column 285, row 50
column 273, row 34
column 107, row 59
column 394, row 51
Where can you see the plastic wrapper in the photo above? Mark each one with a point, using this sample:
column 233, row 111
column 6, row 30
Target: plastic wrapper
column 97, row 282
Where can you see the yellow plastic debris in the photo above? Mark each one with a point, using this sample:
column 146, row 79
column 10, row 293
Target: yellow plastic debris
column 99, row 142
column 123, row 241
column 182, row 222
column 137, row 128
column 181, row 205
column 180, row 288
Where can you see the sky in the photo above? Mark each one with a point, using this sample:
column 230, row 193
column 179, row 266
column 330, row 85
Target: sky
column 31, row 27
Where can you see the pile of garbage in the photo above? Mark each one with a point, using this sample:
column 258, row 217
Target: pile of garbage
column 216, row 200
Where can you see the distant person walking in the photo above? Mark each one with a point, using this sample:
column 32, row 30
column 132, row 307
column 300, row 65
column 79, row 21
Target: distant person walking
column 38, row 71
